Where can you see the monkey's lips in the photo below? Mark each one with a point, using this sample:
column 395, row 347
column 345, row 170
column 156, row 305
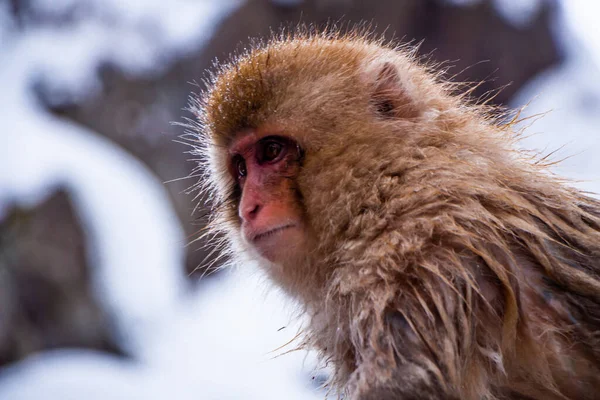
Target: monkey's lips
column 276, row 243
column 269, row 233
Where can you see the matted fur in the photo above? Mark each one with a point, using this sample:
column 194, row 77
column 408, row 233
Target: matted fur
column 442, row 262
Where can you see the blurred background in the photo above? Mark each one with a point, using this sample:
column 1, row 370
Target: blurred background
column 104, row 293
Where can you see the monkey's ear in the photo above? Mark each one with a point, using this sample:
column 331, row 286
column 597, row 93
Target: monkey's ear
column 390, row 97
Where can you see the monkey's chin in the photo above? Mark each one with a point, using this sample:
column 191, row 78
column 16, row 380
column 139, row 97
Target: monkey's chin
column 279, row 244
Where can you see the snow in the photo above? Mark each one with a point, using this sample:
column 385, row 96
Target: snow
column 219, row 344
column 73, row 375
column 140, row 37
column 569, row 97
column 214, row 344
column 581, row 18
column 117, row 197
column 173, row 26
column 237, row 326
column 517, row 12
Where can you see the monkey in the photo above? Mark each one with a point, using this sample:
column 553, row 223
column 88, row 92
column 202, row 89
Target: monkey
column 433, row 258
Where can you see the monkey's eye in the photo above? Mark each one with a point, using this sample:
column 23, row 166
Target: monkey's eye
column 271, row 150
column 239, row 166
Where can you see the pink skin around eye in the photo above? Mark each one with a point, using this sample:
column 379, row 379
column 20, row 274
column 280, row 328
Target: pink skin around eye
column 269, row 215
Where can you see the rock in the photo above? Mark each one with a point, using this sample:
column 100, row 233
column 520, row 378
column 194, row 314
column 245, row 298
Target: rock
column 47, row 300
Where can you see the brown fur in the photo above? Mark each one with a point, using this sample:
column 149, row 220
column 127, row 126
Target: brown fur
column 443, row 262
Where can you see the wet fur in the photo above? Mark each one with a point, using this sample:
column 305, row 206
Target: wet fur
column 444, row 263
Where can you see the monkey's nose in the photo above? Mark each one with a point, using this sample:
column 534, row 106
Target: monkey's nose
column 248, row 212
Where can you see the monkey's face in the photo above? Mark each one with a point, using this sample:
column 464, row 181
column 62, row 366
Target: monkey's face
column 264, row 168
column 295, row 142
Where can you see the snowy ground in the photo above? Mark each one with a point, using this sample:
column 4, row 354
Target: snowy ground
column 219, row 343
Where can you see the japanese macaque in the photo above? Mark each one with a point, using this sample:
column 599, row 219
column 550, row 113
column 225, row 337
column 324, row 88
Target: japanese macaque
column 434, row 259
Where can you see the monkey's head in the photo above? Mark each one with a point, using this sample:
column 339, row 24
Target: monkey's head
column 305, row 139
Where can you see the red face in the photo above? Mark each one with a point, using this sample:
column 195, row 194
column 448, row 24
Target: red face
column 265, row 168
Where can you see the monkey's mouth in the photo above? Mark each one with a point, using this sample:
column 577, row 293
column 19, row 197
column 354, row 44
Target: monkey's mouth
column 271, row 232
